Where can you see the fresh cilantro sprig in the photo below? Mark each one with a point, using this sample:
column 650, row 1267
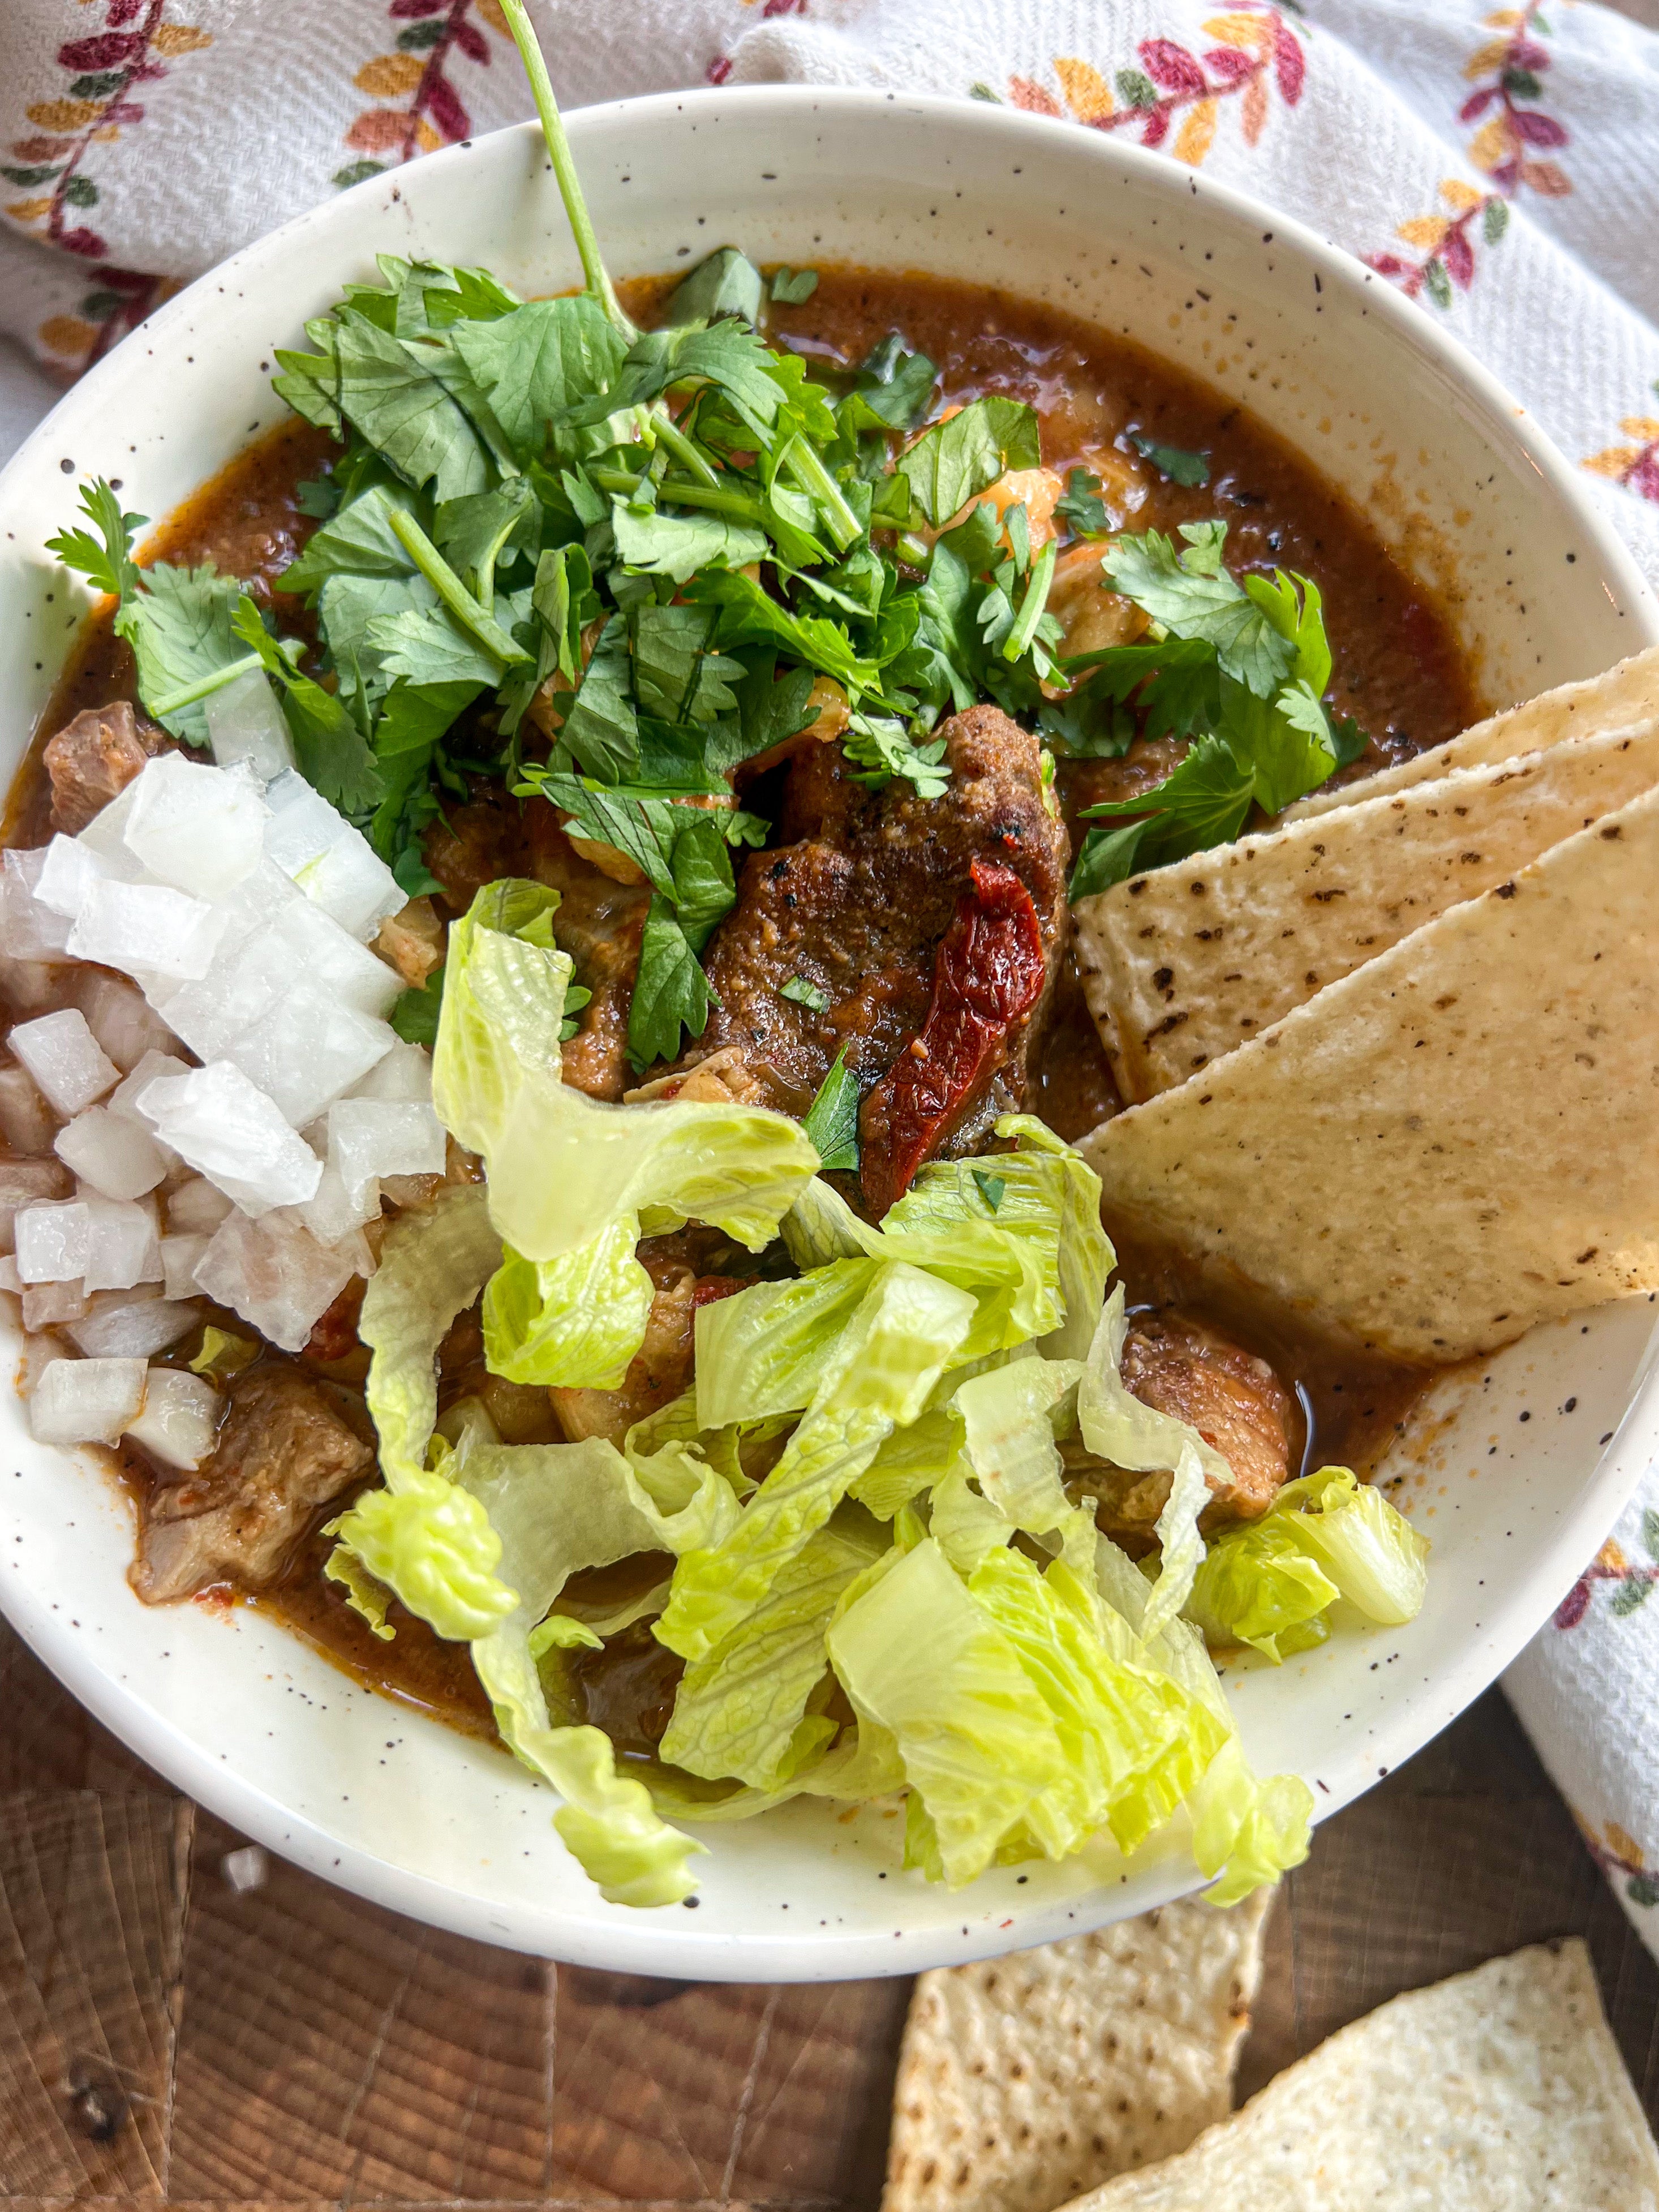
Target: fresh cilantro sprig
column 1240, row 667
column 105, row 559
column 831, row 1121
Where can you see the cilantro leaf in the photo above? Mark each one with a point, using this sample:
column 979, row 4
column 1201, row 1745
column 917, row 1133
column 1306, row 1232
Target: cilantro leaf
column 1285, row 742
column 750, row 616
column 1203, row 801
column 358, row 541
column 406, row 736
column 727, row 283
column 428, row 645
column 1192, row 596
column 957, row 460
column 414, row 1014
column 601, row 729
column 678, row 546
column 893, row 385
column 677, row 675
column 704, row 888
column 540, row 363
column 1348, row 741
column 880, row 748
column 671, row 991
column 179, row 628
column 1301, row 621
column 831, row 1121
column 404, row 412
column 771, row 708
column 1174, row 681
column 794, row 287
column 1082, row 506
column 801, row 992
column 332, row 754
column 990, row 1187
column 644, row 830
column 728, row 354
column 107, row 566
column 473, row 532
column 1180, row 466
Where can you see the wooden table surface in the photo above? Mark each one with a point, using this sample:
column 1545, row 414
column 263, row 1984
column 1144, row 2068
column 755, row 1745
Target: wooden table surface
column 167, row 2037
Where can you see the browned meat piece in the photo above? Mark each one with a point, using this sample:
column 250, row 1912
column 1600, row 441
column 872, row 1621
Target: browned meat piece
column 660, row 1369
column 598, row 923
column 856, row 901
column 283, row 1452
column 93, row 757
column 468, row 846
column 1235, row 1401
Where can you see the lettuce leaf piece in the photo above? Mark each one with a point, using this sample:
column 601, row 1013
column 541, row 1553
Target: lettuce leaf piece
column 963, row 1523
column 422, row 1537
column 564, row 1167
column 766, row 1349
column 1246, row 1831
column 1134, row 1743
column 746, row 1710
column 884, row 1363
column 1008, row 1419
column 911, row 1459
column 1369, row 1550
column 574, row 1322
column 556, row 1509
column 1259, row 1586
column 1326, row 1536
column 918, row 1656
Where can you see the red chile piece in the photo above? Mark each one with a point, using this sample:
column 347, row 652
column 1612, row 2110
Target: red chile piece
column 988, row 975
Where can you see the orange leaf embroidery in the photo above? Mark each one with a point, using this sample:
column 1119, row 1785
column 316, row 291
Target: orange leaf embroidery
column 1197, row 134
column 1623, row 1843
column 425, row 136
column 175, row 39
column 64, row 114
column 377, row 131
column 1644, row 427
column 1504, row 19
column 1612, row 460
column 1033, row 97
column 68, row 335
column 1486, row 58
column 1255, row 33
column 40, row 149
column 1253, row 109
column 1492, row 143
column 1548, row 178
column 1458, row 195
column 1087, row 92
column 389, row 76
column 1427, row 231
column 1612, row 1558
column 28, row 210
column 491, row 12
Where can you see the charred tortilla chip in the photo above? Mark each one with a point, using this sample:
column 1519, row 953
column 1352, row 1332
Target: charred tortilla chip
column 1181, row 965
column 1625, row 697
column 1454, row 1142
column 1025, row 2080
column 1499, row 2091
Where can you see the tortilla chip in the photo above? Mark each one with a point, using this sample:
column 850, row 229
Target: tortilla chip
column 1181, row 965
column 1452, row 1143
column 1499, row 2090
column 1627, row 696
column 1022, row 2081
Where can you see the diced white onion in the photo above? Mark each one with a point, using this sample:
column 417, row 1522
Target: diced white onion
column 85, row 1401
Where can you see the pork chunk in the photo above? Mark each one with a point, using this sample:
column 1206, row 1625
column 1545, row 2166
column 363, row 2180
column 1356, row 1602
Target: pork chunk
column 283, row 1452
column 659, row 1370
column 1182, row 1367
column 855, row 903
column 599, row 923
column 94, row 758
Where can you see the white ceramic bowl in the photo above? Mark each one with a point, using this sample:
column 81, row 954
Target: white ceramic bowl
column 1515, row 1490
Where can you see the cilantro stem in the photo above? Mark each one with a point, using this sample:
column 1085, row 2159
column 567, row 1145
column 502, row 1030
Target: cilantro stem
column 669, row 434
column 717, row 501
column 810, row 473
column 169, row 703
column 598, row 283
column 1031, row 606
column 450, row 589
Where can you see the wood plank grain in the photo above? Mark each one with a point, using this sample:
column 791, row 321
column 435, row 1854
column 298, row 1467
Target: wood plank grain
column 51, row 1741
column 92, row 1899
column 327, row 2048
column 693, row 2095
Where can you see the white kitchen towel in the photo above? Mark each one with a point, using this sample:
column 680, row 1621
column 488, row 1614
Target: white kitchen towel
column 1500, row 166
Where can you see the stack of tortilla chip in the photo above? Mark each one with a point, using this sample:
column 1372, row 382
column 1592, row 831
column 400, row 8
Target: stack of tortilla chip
column 1499, row 2091
column 1394, row 1065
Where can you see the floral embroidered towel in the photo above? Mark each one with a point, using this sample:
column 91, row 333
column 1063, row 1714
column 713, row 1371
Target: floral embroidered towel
column 1500, row 165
